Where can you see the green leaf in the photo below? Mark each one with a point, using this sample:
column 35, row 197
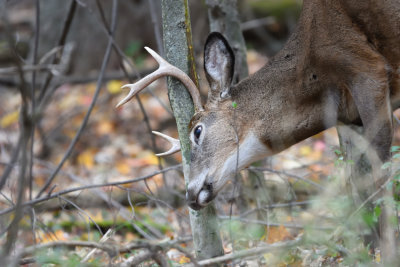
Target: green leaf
column 396, row 177
column 377, row 212
column 368, row 218
column 133, row 48
column 386, row 165
column 395, row 148
column 234, row 104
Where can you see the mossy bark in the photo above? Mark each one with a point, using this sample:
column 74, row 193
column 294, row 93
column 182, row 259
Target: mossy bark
column 179, row 52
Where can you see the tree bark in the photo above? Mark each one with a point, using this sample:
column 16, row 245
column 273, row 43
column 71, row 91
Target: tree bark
column 179, row 52
column 224, row 18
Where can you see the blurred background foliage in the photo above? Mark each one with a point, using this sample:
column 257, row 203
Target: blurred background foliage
column 116, row 144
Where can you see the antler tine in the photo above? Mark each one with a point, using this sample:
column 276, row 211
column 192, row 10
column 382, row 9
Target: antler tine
column 176, row 144
column 164, row 69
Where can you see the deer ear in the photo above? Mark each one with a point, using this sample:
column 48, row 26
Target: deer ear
column 219, row 62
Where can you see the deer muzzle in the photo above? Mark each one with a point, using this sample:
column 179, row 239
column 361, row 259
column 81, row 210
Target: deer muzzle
column 198, row 195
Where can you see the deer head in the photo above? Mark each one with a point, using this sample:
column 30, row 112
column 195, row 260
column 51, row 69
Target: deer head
column 223, row 141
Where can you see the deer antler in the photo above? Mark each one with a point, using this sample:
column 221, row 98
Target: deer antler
column 176, row 144
column 164, row 69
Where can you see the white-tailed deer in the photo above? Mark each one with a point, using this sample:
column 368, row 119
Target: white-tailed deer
column 340, row 65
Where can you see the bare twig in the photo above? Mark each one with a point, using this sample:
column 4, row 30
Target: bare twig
column 67, row 191
column 121, row 57
column 156, row 26
column 69, row 244
column 33, row 87
column 187, row 254
column 278, row 205
column 112, row 250
column 288, row 175
column 105, row 237
column 26, row 261
column 153, row 234
column 60, row 43
column 83, row 212
column 287, row 225
column 11, row 164
column 25, row 133
column 255, row 23
column 32, row 68
column 92, row 104
column 112, row 75
column 138, row 258
column 251, row 252
column 339, row 230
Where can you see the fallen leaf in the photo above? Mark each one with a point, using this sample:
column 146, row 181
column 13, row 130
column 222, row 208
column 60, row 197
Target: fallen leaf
column 86, row 159
column 183, row 260
column 57, row 235
column 114, row 87
column 123, row 167
column 276, row 234
column 105, row 127
column 9, row 119
column 128, row 237
column 305, row 150
column 156, row 182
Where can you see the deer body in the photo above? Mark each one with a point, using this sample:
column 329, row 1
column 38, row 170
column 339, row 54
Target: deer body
column 315, row 80
column 342, row 64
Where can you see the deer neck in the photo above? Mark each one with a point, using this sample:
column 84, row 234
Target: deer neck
column 287, row 99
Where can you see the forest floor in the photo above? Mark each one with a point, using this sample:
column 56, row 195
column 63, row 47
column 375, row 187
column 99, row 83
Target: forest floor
column 116, row 146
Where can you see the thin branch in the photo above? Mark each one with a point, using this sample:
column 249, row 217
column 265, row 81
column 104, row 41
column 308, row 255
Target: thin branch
column 251, row 252
column 255, row 23
column 92, row 104
column 121, row 57
column 288, row 175
column 187, row 254
column 83, row 212
column 339, row 230
column 138, row 258
column 124, row 213
column 67, row 191
column 33, row 87
column 13, row 160
column 278, row 205
column 32, row 68
column 112, row 75
column 105, row 237
column 60, row 43
column 156, row 26
column 111, row 249
column 287, row 225
column 69, row 244
column 25, row 133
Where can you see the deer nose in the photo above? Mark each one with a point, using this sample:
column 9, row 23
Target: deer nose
column 198, row 196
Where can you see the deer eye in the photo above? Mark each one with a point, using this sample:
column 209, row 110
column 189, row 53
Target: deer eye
column 197, row 133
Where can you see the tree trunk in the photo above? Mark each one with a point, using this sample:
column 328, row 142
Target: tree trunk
column 224, row 18
column 179, row 52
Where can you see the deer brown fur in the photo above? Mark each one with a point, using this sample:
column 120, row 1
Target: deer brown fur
column 342, row 64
